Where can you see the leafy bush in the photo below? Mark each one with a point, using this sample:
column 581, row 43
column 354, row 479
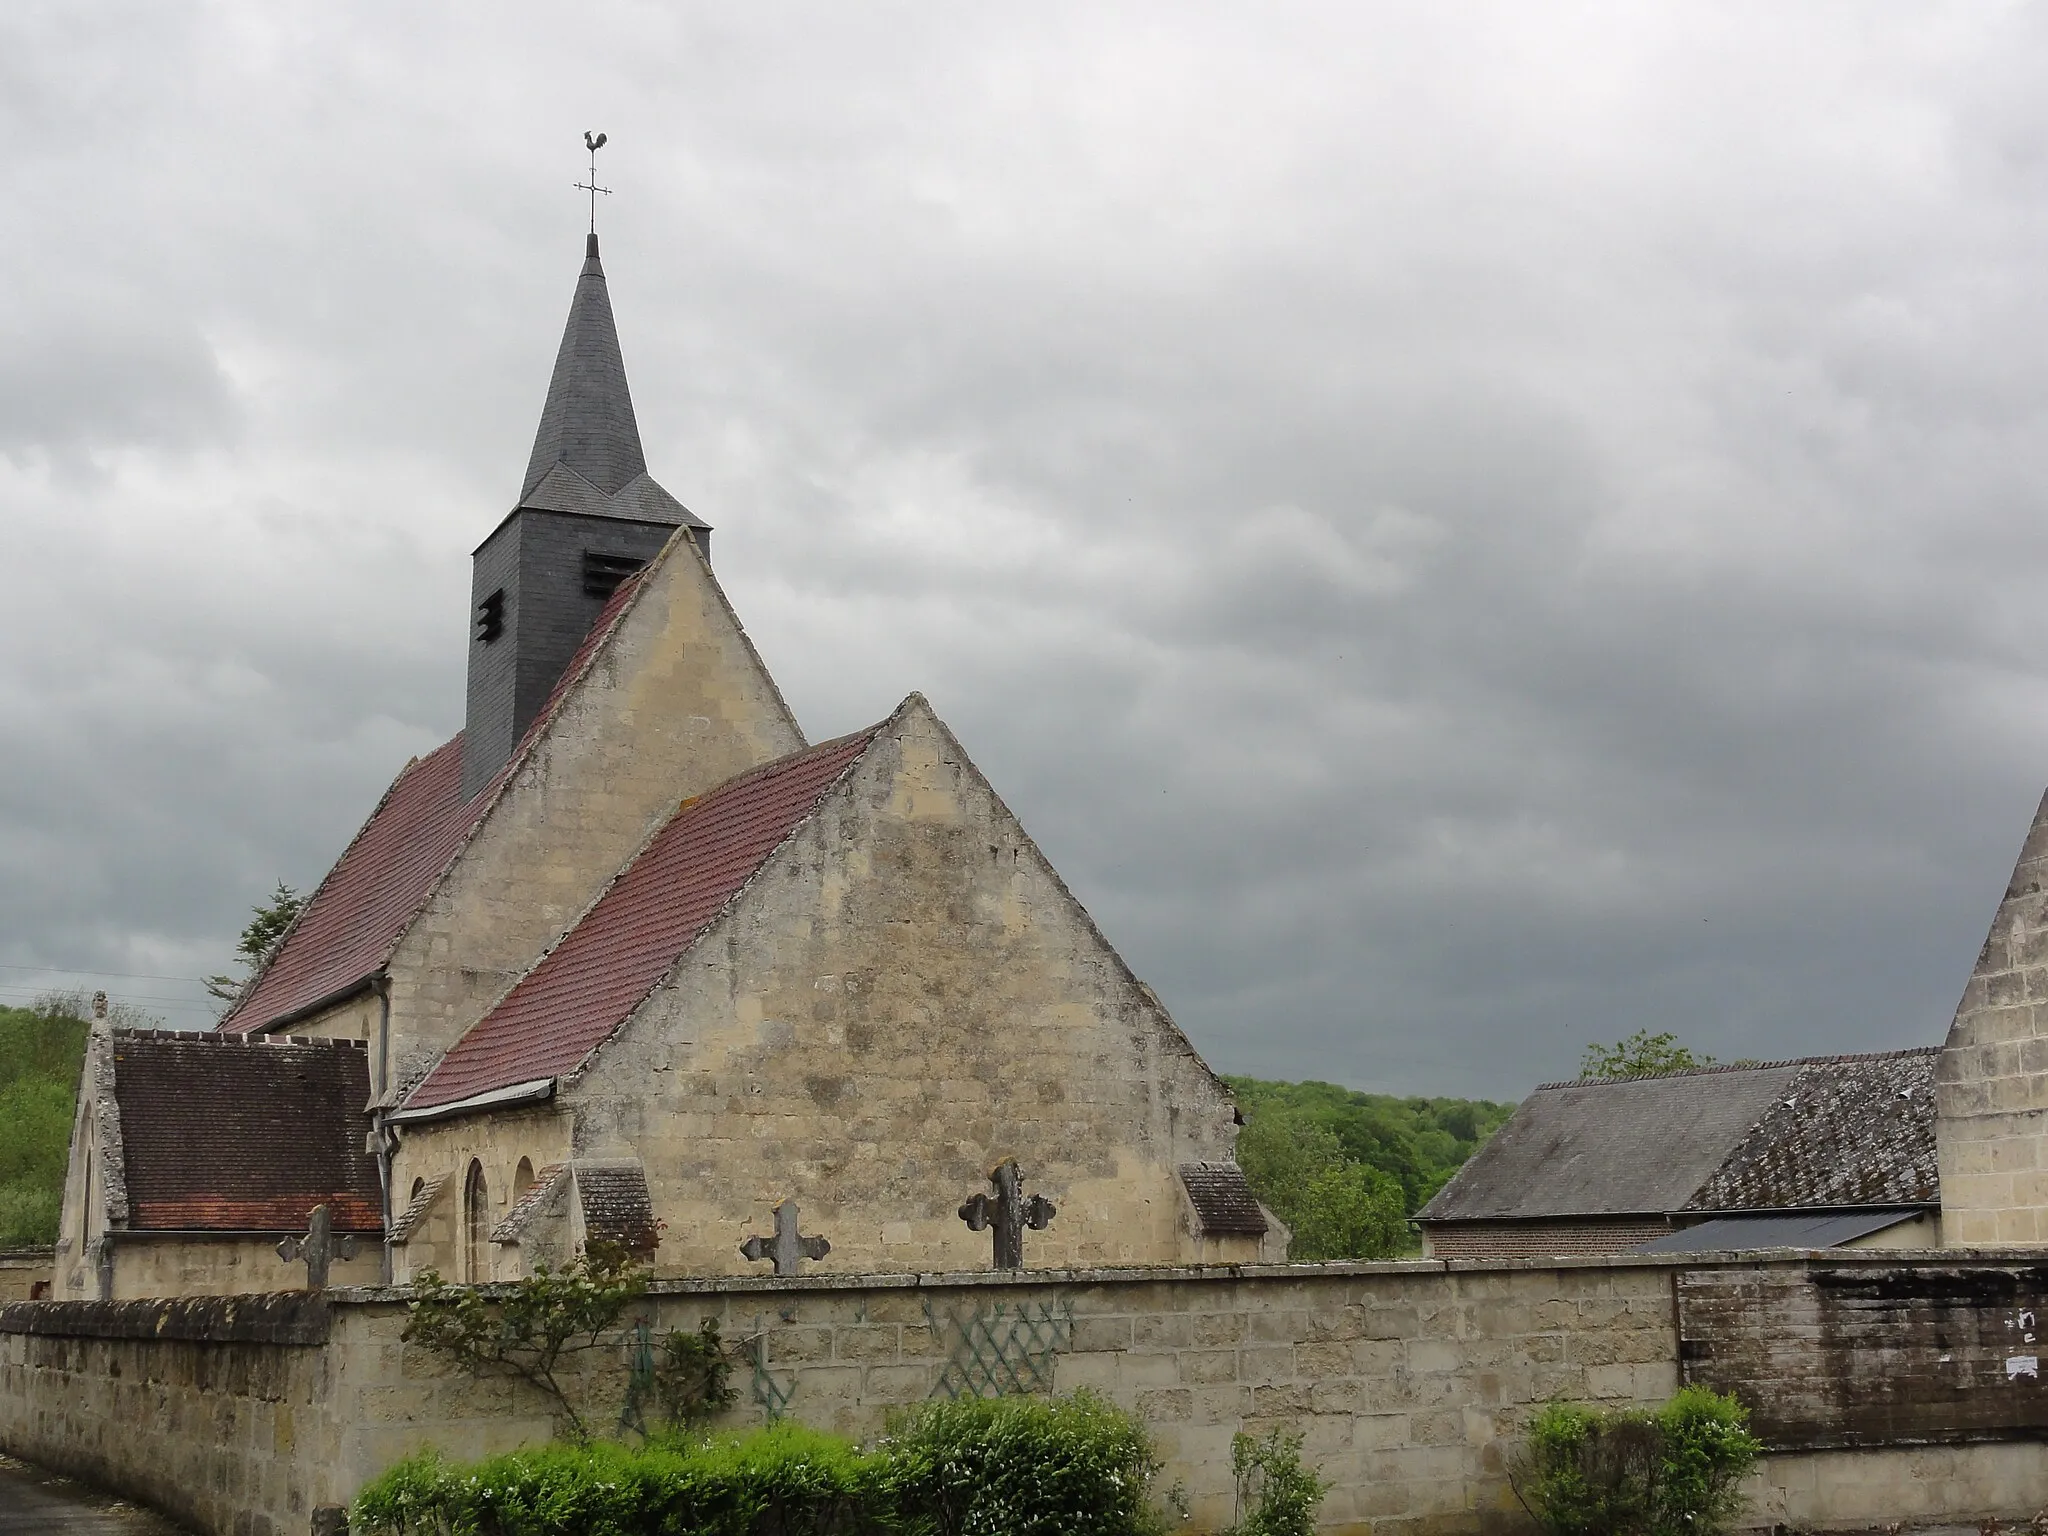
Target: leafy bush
column 1022, row 1466
column 781, row 1481
column 1676, row 1472
column 1276, row 1494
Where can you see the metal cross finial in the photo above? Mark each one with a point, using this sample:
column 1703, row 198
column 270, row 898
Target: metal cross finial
column 1009, row 1213
column 593, row 142
column 787, row 1248
column 317, row 1249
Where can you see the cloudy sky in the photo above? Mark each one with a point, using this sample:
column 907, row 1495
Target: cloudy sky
column 1463, row 529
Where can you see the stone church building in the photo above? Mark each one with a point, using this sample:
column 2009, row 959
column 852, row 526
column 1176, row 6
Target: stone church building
column 629, row 956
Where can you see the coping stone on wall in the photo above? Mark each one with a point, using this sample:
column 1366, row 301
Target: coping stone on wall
column 279, row 1317
column 1224, row 1274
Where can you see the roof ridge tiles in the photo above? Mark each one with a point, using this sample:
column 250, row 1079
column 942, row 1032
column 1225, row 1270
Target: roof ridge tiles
column 1719, row 1068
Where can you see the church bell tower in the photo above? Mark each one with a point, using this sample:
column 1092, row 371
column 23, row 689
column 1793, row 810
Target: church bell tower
column 588, row 516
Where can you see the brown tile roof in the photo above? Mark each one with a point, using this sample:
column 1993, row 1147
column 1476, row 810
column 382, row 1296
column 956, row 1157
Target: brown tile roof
column 416, row 1208
column 569, row 1004
column 616, row 1205
column 223, row 1134
column 1223, row 1200
column 358, row 913
column 547, row 1187
column 1817, row 1131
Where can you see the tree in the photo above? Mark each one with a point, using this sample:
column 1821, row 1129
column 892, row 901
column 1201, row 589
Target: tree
column 1336, row 1207
column 267, row 923
column 1641, row 1055
column 526, row 1328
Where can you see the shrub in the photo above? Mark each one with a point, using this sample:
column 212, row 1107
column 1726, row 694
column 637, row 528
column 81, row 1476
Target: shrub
column 1587, row 1472
column 1276, row 1494
column 781, row 1481
column 1022, row 1466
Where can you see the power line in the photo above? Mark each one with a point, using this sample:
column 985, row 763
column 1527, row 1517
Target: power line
column 59, row 970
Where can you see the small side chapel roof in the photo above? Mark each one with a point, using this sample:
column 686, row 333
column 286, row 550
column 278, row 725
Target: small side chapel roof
column 360, row 910
column 572, row 1001
column 229, row 1135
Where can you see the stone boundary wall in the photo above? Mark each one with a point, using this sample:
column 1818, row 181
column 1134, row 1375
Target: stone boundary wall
column 1409, row 1380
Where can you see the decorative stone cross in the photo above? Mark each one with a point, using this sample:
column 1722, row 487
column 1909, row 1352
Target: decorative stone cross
column 317, row 1249
column 1009, row 1213
column 786, row 1247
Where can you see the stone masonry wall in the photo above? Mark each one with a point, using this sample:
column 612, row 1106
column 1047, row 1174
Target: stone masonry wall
column 1409, row 1381
column 1991, row 1084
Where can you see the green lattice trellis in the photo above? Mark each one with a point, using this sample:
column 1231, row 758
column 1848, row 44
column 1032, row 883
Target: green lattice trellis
column 1004, row 1350
column 771, row 1394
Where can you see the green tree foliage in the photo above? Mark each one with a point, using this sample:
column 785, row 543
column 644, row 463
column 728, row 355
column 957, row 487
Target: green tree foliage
column 41, row 1049
column 1641, row 1054
column 267, row 923
column 1676, row 1472
column 1346, row 1169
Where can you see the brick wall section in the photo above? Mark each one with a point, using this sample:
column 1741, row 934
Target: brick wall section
column 1408, row 1380
column 1537, row 1239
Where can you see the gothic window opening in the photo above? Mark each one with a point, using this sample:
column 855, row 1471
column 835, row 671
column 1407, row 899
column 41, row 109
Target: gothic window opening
column 490, row 617
column 522, row 1179
column 476, row 1217
column 602, row 573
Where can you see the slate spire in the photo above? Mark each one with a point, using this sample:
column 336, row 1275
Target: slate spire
column 587, row 423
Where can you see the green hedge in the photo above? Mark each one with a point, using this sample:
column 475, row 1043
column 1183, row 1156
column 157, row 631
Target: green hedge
column 1009, row 1467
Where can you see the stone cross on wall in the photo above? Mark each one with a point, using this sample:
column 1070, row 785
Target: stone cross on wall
column 317, row 1249
column 786, row 1247
column 1009, row 1213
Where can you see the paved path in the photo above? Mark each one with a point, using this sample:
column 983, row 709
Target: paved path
column 38, row 1503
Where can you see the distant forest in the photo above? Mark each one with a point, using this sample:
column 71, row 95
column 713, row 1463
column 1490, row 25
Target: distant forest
column 1344, row 1169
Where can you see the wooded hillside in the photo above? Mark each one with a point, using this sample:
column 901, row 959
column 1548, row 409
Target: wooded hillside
column 1344, row 1169
column 41, row 1050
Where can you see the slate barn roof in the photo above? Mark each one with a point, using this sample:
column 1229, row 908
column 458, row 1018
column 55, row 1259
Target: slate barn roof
column 569, row 1004
column 1820, row 1132
column 221, row 1134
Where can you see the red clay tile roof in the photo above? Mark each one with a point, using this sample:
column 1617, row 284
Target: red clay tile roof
column 220, row 1134
column 358, row 913
column 569, row 1004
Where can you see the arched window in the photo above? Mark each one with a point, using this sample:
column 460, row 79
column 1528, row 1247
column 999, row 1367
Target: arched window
column 476, row 1215
column 417, row 1186
column 522, row 1179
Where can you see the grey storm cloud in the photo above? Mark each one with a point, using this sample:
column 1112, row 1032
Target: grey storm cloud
column 1463, row 530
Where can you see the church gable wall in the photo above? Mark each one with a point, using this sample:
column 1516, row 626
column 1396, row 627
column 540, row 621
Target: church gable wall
column 904, row 996
column 676, row 702
column 1991, row 1086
